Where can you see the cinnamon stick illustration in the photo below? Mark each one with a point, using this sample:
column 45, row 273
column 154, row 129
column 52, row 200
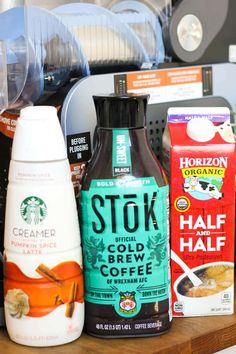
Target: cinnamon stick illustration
column 71, row 300
column 58, row 300
column 49, row 274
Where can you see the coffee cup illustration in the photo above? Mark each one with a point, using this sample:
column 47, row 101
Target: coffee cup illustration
column 210, row 297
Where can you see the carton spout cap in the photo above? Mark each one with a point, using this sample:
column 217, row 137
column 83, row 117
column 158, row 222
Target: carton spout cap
column 200, row 129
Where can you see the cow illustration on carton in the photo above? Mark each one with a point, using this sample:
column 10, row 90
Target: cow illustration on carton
column 194, row 185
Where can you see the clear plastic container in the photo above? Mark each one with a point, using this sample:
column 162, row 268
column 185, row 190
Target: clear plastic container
column 16, row 46
column 55, row 48
column 145, row 24
column 8, row 4
column 104, row 38
column 3, row 77
column 41, row 54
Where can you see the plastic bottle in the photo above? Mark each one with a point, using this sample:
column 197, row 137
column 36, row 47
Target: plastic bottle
column 43, row 282
column 124, row 223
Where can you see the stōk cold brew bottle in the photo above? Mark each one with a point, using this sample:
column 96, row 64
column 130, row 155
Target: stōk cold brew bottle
column 124, row 223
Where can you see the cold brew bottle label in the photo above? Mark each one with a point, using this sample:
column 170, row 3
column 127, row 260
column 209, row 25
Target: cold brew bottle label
column 121, row 160
column 125, row 242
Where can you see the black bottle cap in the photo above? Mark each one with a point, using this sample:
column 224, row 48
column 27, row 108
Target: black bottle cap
column 121, row 111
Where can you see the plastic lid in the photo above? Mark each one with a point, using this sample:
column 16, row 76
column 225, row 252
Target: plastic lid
column 38, row 135
column 114, row 41
column 200, row 129
column 121, row 111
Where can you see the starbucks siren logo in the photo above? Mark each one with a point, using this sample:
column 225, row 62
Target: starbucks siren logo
column 33, row 210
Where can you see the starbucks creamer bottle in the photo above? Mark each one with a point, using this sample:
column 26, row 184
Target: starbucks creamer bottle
column 124, row 210
column 43, row 283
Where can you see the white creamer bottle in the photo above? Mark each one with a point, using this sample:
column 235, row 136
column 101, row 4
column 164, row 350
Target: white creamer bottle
column 43, row 281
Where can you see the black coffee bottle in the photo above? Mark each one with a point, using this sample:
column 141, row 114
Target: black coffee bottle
column 124, row 222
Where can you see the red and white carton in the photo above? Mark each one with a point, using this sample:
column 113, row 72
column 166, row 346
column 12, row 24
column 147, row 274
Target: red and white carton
column 199, row 158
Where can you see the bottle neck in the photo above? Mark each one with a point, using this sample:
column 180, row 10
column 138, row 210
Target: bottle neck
column 136, row 136
column 140, row 157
